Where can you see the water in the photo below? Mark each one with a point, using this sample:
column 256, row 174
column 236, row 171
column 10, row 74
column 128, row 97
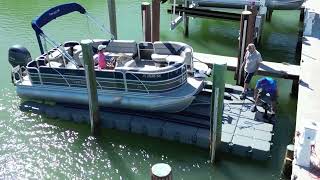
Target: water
column 35, row 147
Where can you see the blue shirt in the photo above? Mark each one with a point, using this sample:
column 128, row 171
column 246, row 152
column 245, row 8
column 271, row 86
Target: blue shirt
column 267, row 84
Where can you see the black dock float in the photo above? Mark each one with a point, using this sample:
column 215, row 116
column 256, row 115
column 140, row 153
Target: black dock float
column 243, row 133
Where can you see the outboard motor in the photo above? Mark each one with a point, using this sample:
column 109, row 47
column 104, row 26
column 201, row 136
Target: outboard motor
column 19, row 55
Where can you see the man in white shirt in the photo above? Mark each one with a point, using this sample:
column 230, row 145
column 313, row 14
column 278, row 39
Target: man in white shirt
column 251, row 63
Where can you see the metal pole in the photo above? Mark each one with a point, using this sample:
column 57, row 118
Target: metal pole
column 146, row 21
column 91, row 84
column 40, row 43
column 155, row 20
column 216, row 108
column 112, row 18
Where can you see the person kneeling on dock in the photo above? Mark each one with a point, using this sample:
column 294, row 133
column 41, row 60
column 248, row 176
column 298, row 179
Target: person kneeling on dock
column 251, row 63
column 265, row 86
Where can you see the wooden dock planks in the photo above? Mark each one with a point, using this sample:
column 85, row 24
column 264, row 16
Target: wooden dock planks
column 280, row 70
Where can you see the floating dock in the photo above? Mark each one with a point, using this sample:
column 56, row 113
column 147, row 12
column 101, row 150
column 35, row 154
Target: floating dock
column 244, row 133
column 309, row 96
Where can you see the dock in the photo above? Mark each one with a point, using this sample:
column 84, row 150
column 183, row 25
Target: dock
column 244, row 133
column 309, row 97
column 267, row 68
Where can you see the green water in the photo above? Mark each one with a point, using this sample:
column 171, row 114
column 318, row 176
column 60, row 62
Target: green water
column 35, row 147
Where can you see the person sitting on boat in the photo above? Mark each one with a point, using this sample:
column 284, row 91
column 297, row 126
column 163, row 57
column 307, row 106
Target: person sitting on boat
column 264, row 86
column 105, row 61
column 101, row 57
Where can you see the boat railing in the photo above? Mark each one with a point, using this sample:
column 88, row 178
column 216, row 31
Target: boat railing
column 16, row 75
column 116, row 80
column 138, row 81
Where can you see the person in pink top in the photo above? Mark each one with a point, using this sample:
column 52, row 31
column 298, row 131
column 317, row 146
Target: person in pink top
column 101, row 57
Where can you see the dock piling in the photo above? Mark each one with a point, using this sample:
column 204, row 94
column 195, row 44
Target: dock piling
column 251, row 24
column 161, row 171
column 269, row 15
column 287, row 164
column 112, row 18
column 155, row 20
column 91, row 85
column 243, row 42
column 301, row 17
column 146, row 21
column 216, row 108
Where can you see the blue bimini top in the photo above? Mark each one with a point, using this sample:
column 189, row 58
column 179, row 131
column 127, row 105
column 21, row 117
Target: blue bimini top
column 267, row 84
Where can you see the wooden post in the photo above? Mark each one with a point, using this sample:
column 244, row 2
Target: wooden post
column 91, row 84
column 216, row 107
column 161, row 171
column 146, row 21
column 113, row 18
column 251, row 25
column 269, row 15
column 242, row 46
column 186, row 20
column 155, row 20
column 301, row 18
column 287, row 165
column 295, row 87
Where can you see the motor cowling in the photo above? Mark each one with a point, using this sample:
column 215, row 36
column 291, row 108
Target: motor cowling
column 19, row 55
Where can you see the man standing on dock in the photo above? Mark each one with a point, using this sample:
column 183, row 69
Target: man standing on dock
column 251, row 63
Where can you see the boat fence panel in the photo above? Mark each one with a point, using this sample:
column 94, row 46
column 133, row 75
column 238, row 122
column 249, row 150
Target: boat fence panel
column 151, row 82
column 110, row 79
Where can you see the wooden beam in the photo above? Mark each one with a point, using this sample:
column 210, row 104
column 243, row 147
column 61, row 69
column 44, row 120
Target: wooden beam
column 205, row 13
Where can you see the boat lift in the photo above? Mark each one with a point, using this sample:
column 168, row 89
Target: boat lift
column 181, row 12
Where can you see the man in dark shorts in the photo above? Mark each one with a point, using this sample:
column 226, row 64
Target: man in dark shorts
column 266, row 86
column 251, row 63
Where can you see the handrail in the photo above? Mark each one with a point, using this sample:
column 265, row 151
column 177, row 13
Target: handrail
column 40, row 78
column 99, row 84
column 139, row 81
column 123, row 80
column 152, row 83
column 62, row 76
column 164, row 72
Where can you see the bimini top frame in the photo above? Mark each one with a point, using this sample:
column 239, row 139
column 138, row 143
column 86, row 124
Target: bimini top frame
column 55, row 12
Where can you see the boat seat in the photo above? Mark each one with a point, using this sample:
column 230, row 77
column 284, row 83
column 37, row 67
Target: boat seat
column 76, row 54
column 159, row 57
column 131, row 63
column 168, row 47
column 172, row 59
column 128, row 47
column 172, row 52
